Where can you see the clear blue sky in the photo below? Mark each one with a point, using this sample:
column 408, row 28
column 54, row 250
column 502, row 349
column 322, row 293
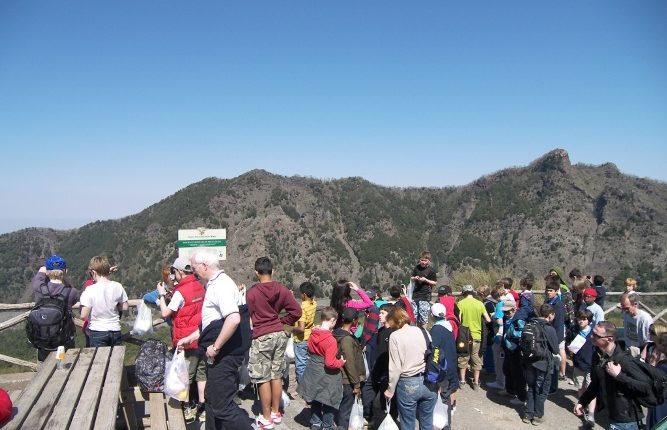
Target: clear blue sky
column 107, row 107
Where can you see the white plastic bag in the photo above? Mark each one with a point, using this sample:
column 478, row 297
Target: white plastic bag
column 356, row 415
column 388, row 423
column 410, row 290
column 176, row 380
column 440, row 418
column 289, row 351
column 284, row 400
column 144, row 322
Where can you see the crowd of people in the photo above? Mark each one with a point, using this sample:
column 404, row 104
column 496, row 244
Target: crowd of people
column 403, row 356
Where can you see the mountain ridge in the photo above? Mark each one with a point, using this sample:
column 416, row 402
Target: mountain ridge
column 525, row 219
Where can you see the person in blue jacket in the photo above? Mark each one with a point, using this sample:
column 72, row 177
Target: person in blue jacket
column 444, row 344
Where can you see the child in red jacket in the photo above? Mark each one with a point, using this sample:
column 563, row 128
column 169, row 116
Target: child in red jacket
column 322, row 382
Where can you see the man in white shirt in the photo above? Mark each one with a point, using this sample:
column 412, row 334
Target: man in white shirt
column 225, row 338
column 636, row 322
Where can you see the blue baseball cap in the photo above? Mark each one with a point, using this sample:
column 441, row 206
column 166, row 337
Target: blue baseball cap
column 55, row 262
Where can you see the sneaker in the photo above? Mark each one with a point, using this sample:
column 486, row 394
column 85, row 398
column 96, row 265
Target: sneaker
column 462, row 384
column 202, row 416
column 190, row 413
column 276, row 417
column 537, row 421
column 453, row 407
column 495, row 385
column 263, row 423
column 238, row 400
column 561, row 377
column 526, row 419
column 516, row 402
column 474, row 385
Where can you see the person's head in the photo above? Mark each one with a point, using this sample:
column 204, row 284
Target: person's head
column 263, row 267
column 500, row 286
column 424, row 258
column 630, row 304
column 630, row 284
column 661, row 346
column 378, row 294
column 180, row 268
column 598, row 280
column 467, row 290
column 483, row 291
column 444, row 290
column 349, row 316
column 509, row 306
column 508, row 282
column 56, row 268
column 552, row 287
column 328, row 317
column 384, row 310
column 497, row 292
column 205, row 264
column 397, row 318
column 307, row 290
column 655, row 330
column 590, row 294
column 547, row 312
column 167, row 277
column 395, row 292
column 575, row 274
column 584, row 318
column 604, row 335
column 526, row 284
column 99, row 266
column 340, row 294
column 438, row 310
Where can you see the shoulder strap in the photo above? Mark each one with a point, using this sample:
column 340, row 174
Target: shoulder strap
column 426, row 338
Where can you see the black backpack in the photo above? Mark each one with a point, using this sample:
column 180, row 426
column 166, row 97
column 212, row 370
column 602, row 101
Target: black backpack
column 654, row 377
column 533, row 343
column 49, row 323
column 149, row 367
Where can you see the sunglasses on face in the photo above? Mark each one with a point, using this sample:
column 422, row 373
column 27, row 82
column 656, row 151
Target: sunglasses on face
column 597, row 336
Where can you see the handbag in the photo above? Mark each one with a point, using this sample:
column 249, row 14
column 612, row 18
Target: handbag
column 176, row 379
column 356, row 415
column 143, row 324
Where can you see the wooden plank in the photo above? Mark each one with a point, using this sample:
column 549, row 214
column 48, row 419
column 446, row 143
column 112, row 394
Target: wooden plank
column 175, row 415
column 126, row 403
column 85, row 410
column 46, row 402
column 65, row 407
column 28, row 364
column 13, row 321
column 106, row 411
column 29, row 396
column 158, row 415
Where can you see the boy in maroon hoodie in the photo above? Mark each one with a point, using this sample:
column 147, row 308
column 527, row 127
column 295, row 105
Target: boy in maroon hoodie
column 321, row 384
column 266, row 300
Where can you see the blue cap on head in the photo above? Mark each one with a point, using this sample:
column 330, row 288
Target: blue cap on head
column 55, row 262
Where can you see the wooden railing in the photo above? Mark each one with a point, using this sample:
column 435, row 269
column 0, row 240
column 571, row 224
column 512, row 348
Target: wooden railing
column 135, row 302
column 22, row 316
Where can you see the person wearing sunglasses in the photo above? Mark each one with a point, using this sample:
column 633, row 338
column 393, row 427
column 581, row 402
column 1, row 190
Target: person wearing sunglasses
column 615, row 378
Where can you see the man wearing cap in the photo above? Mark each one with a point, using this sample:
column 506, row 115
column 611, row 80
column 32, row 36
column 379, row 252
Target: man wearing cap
column 590, row 294
column 185, row 310
column 50, row 281
column 471, row 312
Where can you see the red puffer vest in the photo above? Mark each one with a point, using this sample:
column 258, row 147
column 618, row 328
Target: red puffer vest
column 187, row 319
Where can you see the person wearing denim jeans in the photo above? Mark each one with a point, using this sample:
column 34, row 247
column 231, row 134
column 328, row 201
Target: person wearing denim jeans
column 322, row 416
column 303, row 327
column 406, row 373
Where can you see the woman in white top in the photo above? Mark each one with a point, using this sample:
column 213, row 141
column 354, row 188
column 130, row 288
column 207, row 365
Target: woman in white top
column 407, row 346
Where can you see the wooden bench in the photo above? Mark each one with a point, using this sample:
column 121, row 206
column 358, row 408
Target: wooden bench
column 156, row 411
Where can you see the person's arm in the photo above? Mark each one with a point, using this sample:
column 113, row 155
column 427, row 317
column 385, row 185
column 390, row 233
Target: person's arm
column 364, row 303
column 394, row 368
column 187, row 340
column 165, row 311
column 291, row 306
column 85, row 312
column 486, row 316
column 230, row 325
column 330, row 359
column 299, row 328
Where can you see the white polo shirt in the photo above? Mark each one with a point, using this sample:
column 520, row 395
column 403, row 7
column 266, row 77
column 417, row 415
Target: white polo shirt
column 222, row 298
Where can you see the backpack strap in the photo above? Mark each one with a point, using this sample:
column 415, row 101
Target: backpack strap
column 426, row 338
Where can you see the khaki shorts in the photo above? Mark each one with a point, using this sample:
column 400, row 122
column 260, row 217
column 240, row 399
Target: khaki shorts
column 267, row 357
column 196, row 366
column 474, row 359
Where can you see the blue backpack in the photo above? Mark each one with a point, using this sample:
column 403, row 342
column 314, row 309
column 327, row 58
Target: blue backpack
column 512, row 337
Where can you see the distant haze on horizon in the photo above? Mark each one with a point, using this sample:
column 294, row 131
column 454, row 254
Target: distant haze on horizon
column 109, row 107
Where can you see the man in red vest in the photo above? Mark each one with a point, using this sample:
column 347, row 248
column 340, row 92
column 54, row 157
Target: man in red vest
column 185, row 310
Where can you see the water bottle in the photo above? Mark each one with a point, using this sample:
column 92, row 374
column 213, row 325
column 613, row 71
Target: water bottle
column 60, row 357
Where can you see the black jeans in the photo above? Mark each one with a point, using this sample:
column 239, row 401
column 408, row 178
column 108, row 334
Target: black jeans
column 515, row 381
column 345, row 407
column 538, row 389
column 222, row 383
